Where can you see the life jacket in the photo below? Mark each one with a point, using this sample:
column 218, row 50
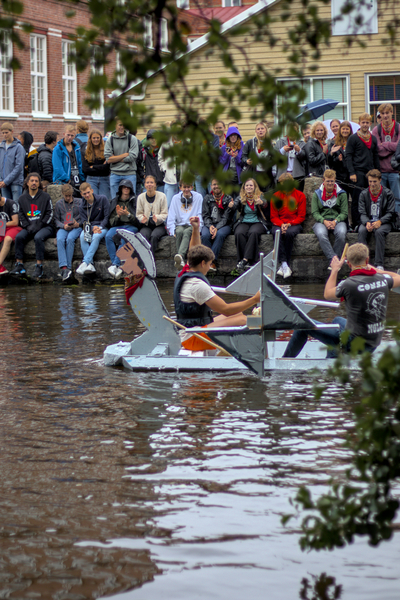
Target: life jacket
column 190, row 314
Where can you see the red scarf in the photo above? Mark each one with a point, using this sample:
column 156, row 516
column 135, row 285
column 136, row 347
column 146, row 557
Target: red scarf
column 391, row 131
column 139, row 280
column 375, row 198
column 252, row 206
column 219, row 202
column 368, row 142
column 185, row 269
column 325, row 194
column 322, row 144
column 363, row 272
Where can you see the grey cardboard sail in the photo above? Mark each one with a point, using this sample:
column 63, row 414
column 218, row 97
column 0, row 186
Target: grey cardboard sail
column 245, row 345
column 279, row 311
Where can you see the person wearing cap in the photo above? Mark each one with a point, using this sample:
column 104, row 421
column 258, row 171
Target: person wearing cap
column 121, row 151
column 150, row 160
column 122, row 216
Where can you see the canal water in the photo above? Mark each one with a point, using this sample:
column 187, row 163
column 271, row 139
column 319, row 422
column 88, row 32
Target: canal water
column 146, row 486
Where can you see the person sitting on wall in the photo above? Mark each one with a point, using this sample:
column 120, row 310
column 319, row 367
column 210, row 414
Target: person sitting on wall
column 219, row 211
column 184, row 205
column 365, row 293
column 377, row 209
column 68, row 222
column 152, row 212
column 9, row 225
column 288, row 211
column 122, row 216
column 36, row 220
column 94, row 211
column 329, row 208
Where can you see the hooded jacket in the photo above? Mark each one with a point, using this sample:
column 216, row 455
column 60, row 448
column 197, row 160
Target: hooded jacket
column 115, row 146
column 45, row 161
column 335, row 209
column 62, row 162
column 35, row 213
column 12, row 163
column 286, row 213
column 225, row 158
column 97, row 213
column 130, row 204
column 181, row 209
column 387, row 206
column 62, row 208
column 218, row 217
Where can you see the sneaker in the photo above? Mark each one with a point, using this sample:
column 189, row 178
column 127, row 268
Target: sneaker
column 247, row 265
column 19, row 269
column 213, row 268
column 118, row 273
column 179, row 262
column 380, row 267
column 241, row 266
column 90, row 268
column 3, row 270
column 112, row 270
column 287, row 272
column 81, row 269
column 38, row 272
column 66, row 274
column 280, row 271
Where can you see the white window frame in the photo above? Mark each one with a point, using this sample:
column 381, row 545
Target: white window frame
column 182, row 4
column 69, row 75
column 311, row 80
column 370, row 103
column 164, row 34
column 148, row 32
column 347, row 24
column 98, row 114
column 7, row 76
column 37, row 75
column 122, row 77
column 230, row 3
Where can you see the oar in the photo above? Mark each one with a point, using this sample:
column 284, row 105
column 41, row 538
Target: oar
column 343, row 254
column 226, row 353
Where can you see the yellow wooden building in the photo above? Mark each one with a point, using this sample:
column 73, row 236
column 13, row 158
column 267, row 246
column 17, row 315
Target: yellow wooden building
column 358, row 78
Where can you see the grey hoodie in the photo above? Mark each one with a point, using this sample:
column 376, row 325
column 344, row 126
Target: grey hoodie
column 116, row 145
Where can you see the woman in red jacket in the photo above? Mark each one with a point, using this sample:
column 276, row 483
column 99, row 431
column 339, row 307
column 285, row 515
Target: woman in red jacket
column 288, row 211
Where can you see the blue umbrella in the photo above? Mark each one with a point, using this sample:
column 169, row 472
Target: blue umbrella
column 316, row 109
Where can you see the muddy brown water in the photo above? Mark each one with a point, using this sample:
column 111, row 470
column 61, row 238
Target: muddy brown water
column 147, row 486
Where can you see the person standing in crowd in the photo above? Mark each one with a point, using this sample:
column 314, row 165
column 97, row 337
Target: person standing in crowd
column 365, row 294
column 337, row 155
column 122, row 216
column 306, row 133
column 171, row 170
column 184, row 205
column 231, row 156
column 219, row 211
column 293, row 150
column 82, row 127
column 121, row 151
column 252, row 223
column 329, row 208
column 26, row 140
column 388, row 136
column 334, row 127
column 12, row 162
column 377, row 209
column 69, row 227
column 255, row 147
column 67, row 160
column 151, row 162
column 219, row 130
column 45, row 156
column 152, row 213
column 36, row 220
column 288, row 212
column 317, row 149
column 94, row 165
column 94, row 213
column 361, row 157
column 9, row 214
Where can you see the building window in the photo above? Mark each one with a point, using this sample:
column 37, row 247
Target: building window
column 227, row 3
column 148, row 33
column 38, row 74
column 182, row 3
column 120, row 71
column 97, row 69
column 69, row 78
column 7, row 87
column 164, row 35
column 363, row 19
column 383, row 87
column 318, row 88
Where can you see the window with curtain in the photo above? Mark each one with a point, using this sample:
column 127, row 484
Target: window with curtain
column 381, row 88
column 38, row 74
column 319, row 88
column 7, row 79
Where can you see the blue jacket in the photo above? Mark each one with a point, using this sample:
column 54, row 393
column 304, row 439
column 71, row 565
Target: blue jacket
column 225, row 158
column 12, row 163
column 62, row 162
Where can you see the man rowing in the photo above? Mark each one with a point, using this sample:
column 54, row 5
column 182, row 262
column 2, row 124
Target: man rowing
column 365, row 293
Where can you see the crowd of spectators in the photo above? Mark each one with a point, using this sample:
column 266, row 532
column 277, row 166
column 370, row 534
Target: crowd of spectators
column 118, row 181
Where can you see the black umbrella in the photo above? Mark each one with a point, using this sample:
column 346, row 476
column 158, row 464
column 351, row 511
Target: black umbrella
column 316, row 109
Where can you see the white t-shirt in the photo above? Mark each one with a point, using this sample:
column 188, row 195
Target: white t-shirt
column 194, row 290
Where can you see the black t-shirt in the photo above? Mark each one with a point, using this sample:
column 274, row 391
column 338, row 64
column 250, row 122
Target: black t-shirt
column 366, row 298
column 8, row 210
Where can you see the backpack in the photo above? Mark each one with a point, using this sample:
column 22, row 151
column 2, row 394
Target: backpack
column 394, row 162
column 33, row 164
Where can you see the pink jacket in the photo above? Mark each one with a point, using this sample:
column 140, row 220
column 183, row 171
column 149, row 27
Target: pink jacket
column 386, row 149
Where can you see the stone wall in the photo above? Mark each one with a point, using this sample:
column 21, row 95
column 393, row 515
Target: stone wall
column 308, row 262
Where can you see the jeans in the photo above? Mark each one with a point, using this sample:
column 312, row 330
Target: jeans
column 100, row 185
column 111, row 246
column 170, row 189
column 39, row 237
column 116, row 179
column 160, row 188
column 199, row 186
column 330, row 337
column 13, row 192
column 322, row 234
column 65, row 246
column 217, row 243
column 89, row 250
column 392, row 181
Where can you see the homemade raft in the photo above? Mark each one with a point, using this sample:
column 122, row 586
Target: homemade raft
column 252, row 347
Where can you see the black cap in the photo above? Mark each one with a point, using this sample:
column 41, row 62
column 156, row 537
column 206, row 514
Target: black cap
column 150, row 133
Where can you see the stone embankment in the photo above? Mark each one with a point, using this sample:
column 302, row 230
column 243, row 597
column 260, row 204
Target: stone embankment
column 308, row 262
